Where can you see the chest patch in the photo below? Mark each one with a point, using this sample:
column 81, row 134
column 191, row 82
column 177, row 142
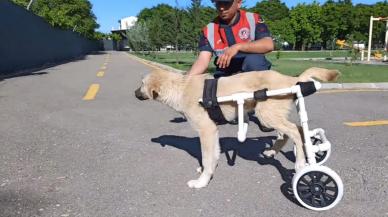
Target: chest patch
column 244, row 33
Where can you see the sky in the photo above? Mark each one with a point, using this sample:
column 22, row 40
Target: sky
column 108, row 13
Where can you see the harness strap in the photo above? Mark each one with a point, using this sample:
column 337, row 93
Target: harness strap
column 209, row 101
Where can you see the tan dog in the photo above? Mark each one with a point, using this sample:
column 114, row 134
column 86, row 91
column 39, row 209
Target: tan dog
column 183, row 92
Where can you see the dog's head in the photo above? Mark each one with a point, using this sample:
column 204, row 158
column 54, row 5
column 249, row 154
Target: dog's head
column 150, row 86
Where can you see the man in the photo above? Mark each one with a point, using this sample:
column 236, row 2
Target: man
column 239, row 40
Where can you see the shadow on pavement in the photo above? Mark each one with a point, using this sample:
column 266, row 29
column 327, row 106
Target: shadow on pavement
column 34, row 71
column 251, row 150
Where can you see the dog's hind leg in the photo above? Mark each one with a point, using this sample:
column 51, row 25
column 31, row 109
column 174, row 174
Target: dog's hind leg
column 275, row 115
column 291, row 130
column 210, row 149
column 279, row 144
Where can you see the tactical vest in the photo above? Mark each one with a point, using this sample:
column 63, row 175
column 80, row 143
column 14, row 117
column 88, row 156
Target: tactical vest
column 243, row 31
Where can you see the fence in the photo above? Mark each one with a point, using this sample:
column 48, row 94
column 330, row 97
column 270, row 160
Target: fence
column 27, row 41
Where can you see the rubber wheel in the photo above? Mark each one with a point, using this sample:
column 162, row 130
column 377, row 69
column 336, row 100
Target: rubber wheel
column 317, row 187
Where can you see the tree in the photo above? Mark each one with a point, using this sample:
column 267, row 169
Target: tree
column 337, row 22
column 380, row 9
column 73, row 15
column 271, row 10
column 138, row 39
column 305, row 20
column 360, row 19
column 282, row 32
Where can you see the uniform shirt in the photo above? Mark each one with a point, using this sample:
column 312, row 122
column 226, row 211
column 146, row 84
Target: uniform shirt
column 261, row 31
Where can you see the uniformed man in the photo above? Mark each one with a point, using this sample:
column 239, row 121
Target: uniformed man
column 239, row 39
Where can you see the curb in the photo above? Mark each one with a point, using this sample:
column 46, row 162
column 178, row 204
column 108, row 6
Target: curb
column 155, row 64
column 350, row 86
column 325, row 86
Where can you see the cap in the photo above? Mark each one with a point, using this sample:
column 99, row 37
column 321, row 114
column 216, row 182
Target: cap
column 222, row 0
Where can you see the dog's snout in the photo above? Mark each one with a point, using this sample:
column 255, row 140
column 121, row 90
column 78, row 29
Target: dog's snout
column 139, row 95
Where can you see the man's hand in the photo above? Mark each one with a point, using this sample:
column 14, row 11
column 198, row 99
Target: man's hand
column 200, row 65
column 223, row 61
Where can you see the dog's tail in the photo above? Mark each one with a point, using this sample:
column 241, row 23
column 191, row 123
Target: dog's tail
column 320, row 74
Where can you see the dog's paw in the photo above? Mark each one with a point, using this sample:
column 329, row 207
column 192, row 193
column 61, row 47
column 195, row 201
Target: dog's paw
column 300, row 165
column 197, row 183
column 269, row 153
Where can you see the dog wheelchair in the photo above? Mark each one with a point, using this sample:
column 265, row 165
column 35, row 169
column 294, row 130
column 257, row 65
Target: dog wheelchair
column 316, row 187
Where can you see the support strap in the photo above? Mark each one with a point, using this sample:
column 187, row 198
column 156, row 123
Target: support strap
column 261, row 94
column 209, row 101
column 307, row 88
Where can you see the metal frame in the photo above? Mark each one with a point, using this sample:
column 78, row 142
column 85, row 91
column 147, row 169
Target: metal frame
column 371, row 32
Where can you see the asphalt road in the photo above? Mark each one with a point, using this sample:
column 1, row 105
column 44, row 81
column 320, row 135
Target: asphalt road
column 64, row 156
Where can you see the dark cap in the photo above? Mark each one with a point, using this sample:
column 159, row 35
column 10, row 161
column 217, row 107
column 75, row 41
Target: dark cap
column 222, row 0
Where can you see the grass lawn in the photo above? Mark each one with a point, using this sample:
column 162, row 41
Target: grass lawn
column 354, row 73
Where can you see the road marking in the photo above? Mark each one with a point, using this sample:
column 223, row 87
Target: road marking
column 103, row 68
column 105, row 64
column 92, row 92
column 367, row 123
column 100, row 74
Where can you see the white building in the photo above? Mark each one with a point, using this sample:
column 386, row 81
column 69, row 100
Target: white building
column 127, row 22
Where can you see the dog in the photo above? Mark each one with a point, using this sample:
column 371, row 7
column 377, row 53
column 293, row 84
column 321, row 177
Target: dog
column 182, row 92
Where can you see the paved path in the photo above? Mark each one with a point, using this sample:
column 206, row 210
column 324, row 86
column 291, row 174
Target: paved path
column 116, row 156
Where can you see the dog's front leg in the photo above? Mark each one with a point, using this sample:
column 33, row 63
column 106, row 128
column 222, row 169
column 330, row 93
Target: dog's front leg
column 210, row 149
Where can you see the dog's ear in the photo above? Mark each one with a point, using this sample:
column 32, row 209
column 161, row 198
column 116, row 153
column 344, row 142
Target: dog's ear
column 154, row 94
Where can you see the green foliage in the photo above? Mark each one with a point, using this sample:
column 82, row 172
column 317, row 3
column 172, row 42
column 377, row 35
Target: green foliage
column 302, row 27
column 138, row 39
column 73, row 15
column 306, row 22
column 281, row 31
column 115, row 37
column 22, row 3
column 271, row 10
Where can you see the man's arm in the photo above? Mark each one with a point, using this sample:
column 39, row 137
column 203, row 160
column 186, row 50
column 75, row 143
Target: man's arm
column 200, row 65
column 264, row 45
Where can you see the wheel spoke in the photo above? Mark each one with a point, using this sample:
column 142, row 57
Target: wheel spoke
column 328, row 180
column 331, row 188
column 306, row 195
column 313, row 200
column 323, row 202
column 329, row 196
column 303, row 187
column 319, row 176
column 303, row 179
column 312, row 176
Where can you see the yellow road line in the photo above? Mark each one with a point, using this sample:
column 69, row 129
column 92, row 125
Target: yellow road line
column 100, row 74
column 92, row 92
column 367, row 123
